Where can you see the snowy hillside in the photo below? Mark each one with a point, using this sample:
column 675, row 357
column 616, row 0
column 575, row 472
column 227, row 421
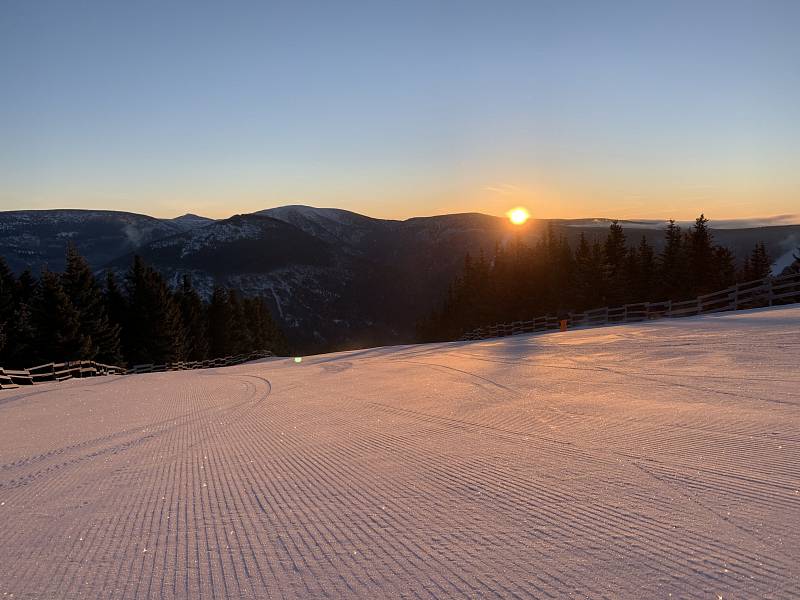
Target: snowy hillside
column 329, row 224
column 189, row 221
column 334, row 279
column 38, row 238
column 637, row 461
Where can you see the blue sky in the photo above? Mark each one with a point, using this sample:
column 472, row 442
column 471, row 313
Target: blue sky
column 394, row 109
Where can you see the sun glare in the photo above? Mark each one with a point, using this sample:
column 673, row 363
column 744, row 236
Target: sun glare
column 518, row 215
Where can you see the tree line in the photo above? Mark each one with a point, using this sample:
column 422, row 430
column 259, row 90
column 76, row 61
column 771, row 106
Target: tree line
column 521, row 281
column 140, row 319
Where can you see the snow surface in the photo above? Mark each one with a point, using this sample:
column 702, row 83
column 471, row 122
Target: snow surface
column 633, row 461
column 196, row 240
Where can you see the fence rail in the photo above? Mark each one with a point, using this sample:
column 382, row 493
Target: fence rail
column 88, row 368
column 770, row 291
column 200, row 364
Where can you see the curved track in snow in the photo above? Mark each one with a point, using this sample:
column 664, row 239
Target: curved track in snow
column 624, row 462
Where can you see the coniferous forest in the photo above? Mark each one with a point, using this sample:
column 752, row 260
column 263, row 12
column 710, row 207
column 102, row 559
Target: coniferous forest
column 138, row 319
column 520, row 281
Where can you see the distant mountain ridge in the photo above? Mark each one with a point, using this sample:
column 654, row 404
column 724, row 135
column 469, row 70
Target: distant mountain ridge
column 37, row 238
column 189, row 221
column 333, row 278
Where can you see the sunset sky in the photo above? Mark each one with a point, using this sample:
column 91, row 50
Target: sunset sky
column 395, row 109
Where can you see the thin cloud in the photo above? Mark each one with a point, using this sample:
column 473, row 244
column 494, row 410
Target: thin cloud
column 505, row 189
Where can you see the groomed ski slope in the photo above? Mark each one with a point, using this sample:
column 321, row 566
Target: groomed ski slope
column 634, row 461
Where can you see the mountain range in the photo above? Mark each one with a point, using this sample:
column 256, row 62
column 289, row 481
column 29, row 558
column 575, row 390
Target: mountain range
column 333, row 278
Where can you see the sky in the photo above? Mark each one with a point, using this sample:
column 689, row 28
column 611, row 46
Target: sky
column 638, row 109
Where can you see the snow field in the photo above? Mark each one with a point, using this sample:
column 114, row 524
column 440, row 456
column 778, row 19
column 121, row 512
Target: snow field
column 622, row 462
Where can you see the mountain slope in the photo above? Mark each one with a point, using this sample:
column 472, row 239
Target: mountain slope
column 334, row 278
column 189, row 221
column 38, row 238
column 317, row 291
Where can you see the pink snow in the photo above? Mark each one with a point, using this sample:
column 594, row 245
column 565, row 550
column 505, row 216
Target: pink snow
column 632, row 461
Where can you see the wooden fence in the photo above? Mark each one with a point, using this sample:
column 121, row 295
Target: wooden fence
column 200, row 364
column 751, row 294
column 55, row 372
column 89, row 368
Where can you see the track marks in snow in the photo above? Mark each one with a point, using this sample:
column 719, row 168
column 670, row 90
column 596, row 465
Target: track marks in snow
column 453, row 470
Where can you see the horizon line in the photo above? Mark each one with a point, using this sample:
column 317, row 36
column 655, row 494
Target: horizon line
column 752, row 221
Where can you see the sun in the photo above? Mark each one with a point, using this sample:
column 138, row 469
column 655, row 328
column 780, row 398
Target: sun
column 518, row 215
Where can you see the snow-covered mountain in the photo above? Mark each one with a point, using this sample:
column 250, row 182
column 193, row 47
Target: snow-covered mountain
column 189, row 221
column 312, row 285
column 334, row 278
column 37, row 238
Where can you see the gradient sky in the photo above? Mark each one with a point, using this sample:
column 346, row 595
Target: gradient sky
column 393, row 109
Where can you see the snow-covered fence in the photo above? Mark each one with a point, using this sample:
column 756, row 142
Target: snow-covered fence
column 750, row 294
column 88, row 368
column 200, row 364
column 55, row 372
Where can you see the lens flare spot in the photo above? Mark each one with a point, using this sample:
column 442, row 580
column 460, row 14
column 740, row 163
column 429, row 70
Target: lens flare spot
column 518, row 215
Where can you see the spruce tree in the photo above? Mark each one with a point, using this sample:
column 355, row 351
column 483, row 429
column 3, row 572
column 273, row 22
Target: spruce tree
column 523, row 282
column 23, row 352
column 671, row 271
column 57, row 324
column 585, row 292
column 600, row 278
column 256, row 323
column 758, row 264
column 219, row 323
column 153, row 332
column 116, row 304
column 8, row 289
column 265, row 334
column 82, row 288
column 645, row 288
column 723, row 272
column 700, row 258
column 193, row 319
column 240, row 338
column 26, row 286
column 632, row 275
column 615, row 252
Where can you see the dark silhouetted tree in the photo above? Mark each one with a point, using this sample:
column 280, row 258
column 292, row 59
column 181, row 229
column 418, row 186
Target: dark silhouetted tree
column 264, row 334
column 116, row 303
column 83, row 291
column 522, row 282
column 758, row 264
column 153, row 332
column 723, row 272
column 23, row 352
column 8, row 290
column 615, row 252
column 586, row 267
column 700, row 256
column 672, row 264
column 57, row 324
column 645, row 287
column 219, row 323
column 193, row 319
column 239, row 336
